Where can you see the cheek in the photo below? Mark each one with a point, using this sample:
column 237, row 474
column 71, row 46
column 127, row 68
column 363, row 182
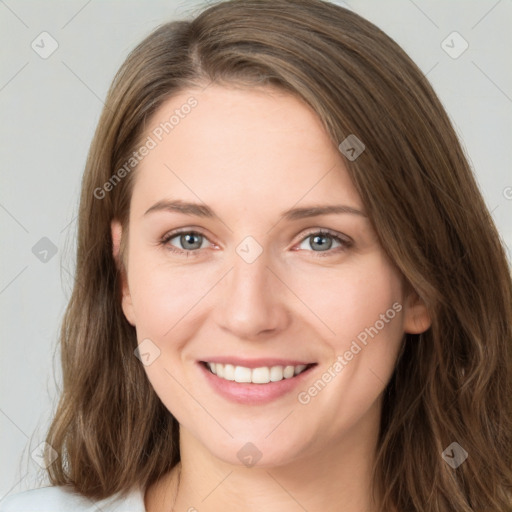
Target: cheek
column 165, row 297
column 347, row 301
column 363, row 307
column 165, row 300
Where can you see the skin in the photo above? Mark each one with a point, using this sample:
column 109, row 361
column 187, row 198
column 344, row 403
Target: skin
column 249, row 155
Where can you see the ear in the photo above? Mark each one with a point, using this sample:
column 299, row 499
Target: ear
column 416, row 316
column 126, row 302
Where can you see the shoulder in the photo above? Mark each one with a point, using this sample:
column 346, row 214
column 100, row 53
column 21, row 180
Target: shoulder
column 64, row 499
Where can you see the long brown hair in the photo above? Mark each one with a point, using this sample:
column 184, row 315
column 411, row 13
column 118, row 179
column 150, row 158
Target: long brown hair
column 451, row 383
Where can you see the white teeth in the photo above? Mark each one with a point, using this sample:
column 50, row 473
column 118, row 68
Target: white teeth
column 242, row 374
column 288, row 372
column 229, row 372
column 261, row 375
column 299, row 368
column 276, row 373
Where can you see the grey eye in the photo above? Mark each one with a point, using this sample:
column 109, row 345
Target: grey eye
column 189, row 241
column 319, row 241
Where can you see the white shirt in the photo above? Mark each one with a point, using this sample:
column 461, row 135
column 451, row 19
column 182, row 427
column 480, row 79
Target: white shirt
column 63, row 499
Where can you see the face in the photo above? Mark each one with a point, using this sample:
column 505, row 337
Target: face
column 300, row 314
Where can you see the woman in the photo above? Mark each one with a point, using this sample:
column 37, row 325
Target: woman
column 290, row 294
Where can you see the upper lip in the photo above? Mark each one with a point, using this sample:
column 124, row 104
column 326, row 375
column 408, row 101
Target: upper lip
column 256, row 363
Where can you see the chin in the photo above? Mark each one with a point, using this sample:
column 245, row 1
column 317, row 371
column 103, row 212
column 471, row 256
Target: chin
column 256, row 451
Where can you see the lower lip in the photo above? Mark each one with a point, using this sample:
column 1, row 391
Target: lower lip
column 249, row 393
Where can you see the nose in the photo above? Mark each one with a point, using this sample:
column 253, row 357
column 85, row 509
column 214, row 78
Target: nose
column 253, row 300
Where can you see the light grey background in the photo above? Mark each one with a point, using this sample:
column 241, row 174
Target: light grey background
column 49, row 110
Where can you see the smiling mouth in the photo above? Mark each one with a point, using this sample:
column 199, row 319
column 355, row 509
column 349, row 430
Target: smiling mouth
column 261, row 375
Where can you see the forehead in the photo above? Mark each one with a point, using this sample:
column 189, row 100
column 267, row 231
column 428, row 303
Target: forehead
column 240, row 146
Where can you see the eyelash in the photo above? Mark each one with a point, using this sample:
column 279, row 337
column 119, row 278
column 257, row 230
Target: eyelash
column 345, row 244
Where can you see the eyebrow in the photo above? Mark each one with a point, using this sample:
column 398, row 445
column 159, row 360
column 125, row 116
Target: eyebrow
column 201, row 210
